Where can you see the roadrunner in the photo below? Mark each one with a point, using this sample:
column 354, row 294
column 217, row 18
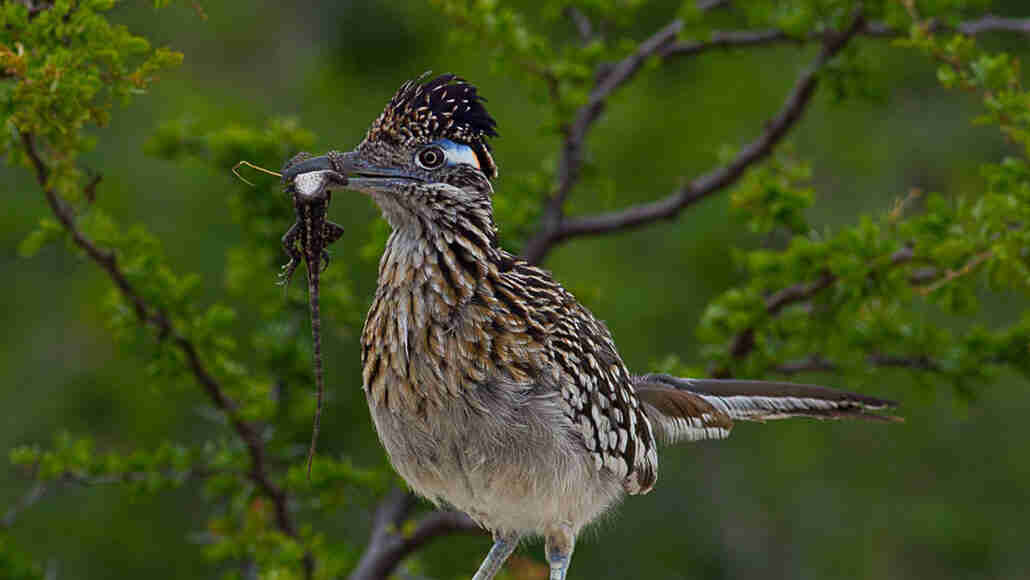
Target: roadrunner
column 492, row 388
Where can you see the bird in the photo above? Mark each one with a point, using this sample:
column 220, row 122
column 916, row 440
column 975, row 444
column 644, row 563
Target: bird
column 493, row 390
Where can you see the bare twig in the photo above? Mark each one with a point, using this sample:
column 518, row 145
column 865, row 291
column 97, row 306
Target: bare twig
column 34, row 494
column 706, row 5
column 388, row 546
column 991, row 23
column 814, row 363
column 90, row 190
column 705, row 185
column 818, row 363
column 137, row 476
column 556, row 228
column 582, row 23
column 572, row 149
column 920, row 362
column 729, row 39
column 40, row 487
column 149, row 315
column 950, row 275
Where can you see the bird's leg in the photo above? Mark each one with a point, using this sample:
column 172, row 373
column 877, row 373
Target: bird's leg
column 504, row 545
column 558, row 547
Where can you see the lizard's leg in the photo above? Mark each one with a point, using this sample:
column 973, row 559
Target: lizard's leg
column 333, row 232
column 290, row 247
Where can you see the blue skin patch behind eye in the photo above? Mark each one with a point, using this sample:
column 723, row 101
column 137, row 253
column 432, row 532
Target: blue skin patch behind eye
column 457, row 153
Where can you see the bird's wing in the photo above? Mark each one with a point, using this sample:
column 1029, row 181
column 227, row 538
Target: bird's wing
column 595, row 386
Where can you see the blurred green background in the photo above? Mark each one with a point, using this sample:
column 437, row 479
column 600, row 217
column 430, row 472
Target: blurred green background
column 943, row 495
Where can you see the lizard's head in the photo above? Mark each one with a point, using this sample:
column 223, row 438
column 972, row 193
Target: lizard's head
column 425, row 158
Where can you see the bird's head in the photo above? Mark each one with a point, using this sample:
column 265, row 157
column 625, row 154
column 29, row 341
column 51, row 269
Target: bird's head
column 425, row 159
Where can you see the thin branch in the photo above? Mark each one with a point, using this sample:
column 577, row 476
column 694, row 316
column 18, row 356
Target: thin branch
column 388, row 546
column 33, row 495
column 714, row 181
column 582, row 23
column 730, row 39
column 571, row 161
column 155, row 317
column 137, row 476
column 818, row 363
column 706, row 5
column 814, row 363
column 40, row 488
column 744, row 341
column 555, row 228
column 950, row 275
column 990, row 23
column 921, row 362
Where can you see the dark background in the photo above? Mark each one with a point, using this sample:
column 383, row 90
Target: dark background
column 943, row 495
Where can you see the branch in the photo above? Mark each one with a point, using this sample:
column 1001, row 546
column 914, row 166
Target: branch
column 921, row 362
column 814, row 363
column 40, row 488
column 744, row 342
column 387, row 547
column 729, row 39
column 583, row 25
column 149, row 315
column 950, row 275
column 817, row 363
column 706, row 5
column 714, row 181
column 989, row 23
column 137, row 476
column 554, row 228
column 33, row 495
column 571, row 161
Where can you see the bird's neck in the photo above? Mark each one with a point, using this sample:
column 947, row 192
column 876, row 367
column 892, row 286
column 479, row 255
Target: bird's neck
column 457, row 249
column 421, row 335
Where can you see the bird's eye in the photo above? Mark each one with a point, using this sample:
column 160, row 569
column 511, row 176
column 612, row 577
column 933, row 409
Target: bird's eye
column 431, row 157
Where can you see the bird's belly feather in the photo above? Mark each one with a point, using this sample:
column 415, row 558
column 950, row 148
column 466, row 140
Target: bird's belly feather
column 508, row 468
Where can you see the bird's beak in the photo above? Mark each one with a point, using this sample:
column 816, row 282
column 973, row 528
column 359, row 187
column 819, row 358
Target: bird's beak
column 357, row 173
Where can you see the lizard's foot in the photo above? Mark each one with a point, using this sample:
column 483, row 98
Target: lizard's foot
column 288, row 269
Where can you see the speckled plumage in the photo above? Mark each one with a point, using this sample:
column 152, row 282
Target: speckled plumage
column 492, row 389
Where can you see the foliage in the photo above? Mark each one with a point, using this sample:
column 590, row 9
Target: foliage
column 855, row 300
column 71, row 66
column 890, row 274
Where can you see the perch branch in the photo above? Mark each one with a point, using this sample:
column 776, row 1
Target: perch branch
column 388, row 546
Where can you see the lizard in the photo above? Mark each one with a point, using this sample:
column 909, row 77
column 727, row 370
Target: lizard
column 307, row 240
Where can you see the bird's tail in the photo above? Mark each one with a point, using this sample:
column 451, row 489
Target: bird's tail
column 683, row 409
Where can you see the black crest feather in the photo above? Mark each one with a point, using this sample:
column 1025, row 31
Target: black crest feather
column 445, row 107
